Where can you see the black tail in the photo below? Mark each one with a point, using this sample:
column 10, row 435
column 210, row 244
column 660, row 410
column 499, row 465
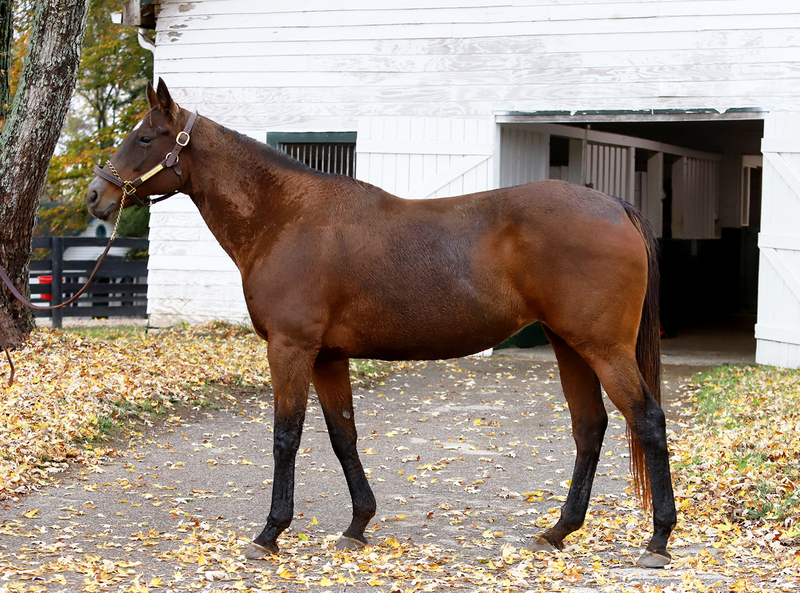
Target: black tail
column 648, row 345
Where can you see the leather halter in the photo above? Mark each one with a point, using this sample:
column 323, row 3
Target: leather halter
column 170, row 161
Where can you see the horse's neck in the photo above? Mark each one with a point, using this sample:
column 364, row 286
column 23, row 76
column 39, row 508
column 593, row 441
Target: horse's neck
column 234, row 189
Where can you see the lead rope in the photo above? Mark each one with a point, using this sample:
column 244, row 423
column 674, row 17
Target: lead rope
column 19, row 297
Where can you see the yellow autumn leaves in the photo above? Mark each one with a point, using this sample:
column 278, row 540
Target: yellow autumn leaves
column 736, row 473
column 69, row 388
column 737, row 478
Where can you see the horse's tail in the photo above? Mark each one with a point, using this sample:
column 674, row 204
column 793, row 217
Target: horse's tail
column 648, row 347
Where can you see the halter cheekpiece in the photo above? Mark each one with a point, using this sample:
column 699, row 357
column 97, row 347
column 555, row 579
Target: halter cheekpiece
column 170, row 162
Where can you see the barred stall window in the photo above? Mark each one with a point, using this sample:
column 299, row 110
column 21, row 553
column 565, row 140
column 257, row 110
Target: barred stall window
column 329, row 152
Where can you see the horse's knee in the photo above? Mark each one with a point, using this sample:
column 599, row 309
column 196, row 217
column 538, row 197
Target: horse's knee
column 589, row 434
column 286, row 441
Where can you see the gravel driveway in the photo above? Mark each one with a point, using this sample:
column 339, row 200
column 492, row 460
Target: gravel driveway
column 471, row 456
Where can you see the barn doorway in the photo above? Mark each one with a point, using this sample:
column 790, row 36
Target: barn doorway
column 697, row 180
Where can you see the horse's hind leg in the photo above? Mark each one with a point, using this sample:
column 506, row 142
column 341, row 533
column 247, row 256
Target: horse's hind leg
column 589, row 421
column 619, row 374
column 332, row 382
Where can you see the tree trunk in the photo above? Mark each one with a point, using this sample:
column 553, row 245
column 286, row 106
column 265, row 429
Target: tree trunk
column 28, row 140
column 5, row 55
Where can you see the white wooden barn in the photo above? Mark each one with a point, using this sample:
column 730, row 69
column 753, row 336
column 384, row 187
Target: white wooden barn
column 689, row 108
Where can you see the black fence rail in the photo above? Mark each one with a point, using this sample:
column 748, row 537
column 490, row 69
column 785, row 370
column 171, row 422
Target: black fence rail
column 118, row 290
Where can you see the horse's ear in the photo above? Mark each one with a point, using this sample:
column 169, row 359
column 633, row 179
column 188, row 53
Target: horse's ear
column 165, row 103
column 152, row 99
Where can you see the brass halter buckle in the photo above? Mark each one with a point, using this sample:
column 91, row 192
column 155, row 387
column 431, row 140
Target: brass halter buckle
column 179, row 140
column 128, row 188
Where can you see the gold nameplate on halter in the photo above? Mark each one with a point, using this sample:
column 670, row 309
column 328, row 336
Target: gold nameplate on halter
column 151, row 172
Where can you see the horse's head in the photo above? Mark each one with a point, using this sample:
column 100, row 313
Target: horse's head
column 141, row 166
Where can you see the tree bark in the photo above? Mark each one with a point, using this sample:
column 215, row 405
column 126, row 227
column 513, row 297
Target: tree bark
column 5, row 55
column 28, row 140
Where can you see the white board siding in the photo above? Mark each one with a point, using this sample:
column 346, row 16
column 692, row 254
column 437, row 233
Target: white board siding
column 421, row 158
column 778, row 326
column 610, row 169
column 194, row 310
column 653, row 192
column 248, row 61
column 190, row 278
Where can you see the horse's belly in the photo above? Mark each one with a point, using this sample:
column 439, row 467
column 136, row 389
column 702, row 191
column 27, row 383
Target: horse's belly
column 429, row 331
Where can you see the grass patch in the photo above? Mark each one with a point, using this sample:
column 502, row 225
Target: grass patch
column 106, row 333
column 742, row 457
column 364, row 373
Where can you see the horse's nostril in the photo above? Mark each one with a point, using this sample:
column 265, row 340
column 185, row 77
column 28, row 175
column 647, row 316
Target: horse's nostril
column 93, row 197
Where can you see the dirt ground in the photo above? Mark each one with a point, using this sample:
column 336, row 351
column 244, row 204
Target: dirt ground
column 471, row 456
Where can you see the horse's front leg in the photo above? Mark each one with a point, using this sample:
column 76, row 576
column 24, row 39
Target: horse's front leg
column 332, row 382
column 290, row 368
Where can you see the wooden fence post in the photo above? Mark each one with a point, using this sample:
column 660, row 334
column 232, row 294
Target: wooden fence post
column 57, row 262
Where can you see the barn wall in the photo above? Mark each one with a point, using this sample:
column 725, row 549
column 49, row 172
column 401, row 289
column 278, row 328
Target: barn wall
column 259, row 66
column 190, row 277
column 524, row 156
column 418, row 158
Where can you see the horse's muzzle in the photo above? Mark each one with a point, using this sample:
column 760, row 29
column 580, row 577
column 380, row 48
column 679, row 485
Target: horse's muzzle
column 99, row 208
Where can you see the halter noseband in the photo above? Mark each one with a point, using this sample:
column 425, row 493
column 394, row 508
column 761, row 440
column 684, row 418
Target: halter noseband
column 170, row 161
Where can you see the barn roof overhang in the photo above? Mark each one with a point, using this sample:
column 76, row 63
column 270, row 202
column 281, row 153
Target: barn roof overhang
column 629, row 115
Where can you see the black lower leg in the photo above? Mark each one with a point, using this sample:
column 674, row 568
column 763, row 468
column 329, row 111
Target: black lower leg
column 652, row 432
column 363, row 500
column 342, row 432
column 589, row 438
column 589, row 421
column 332, row 381
column 286, row 443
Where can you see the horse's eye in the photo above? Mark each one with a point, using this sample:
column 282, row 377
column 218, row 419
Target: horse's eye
column 144, row 140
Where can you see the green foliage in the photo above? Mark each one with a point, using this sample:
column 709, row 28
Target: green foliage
column 109, row 100
column 134, row 222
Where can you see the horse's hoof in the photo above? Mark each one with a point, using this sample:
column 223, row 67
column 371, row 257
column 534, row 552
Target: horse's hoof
column 258, row 552
column 348, row 543
column 542, row 545
column 653, row 559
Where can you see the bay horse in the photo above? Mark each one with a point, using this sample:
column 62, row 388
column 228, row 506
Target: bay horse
column 334, row 268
